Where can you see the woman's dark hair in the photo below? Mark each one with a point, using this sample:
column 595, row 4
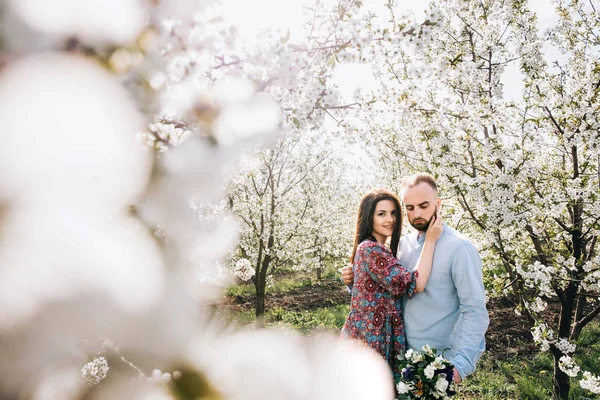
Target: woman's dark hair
column 366, row 212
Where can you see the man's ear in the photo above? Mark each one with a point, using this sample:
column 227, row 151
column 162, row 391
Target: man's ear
column 439, row 202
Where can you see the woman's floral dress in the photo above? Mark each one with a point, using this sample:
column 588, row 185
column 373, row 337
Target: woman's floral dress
column 376, row 311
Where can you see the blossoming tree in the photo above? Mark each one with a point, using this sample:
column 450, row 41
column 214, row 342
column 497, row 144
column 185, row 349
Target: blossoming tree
column 295, row 72
column 108, row 222
column 293, row 182
column 295, row 207
column 523, row 176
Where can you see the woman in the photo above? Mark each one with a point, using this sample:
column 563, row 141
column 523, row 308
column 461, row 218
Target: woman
column 380, row 281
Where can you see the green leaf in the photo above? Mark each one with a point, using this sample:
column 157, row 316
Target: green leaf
column 296, row 122
column 193, row 385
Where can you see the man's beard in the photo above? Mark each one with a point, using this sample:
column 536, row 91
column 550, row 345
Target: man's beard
column 421, row 226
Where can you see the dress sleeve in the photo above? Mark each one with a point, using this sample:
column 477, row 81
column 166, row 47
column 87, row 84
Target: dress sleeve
column 385, row 270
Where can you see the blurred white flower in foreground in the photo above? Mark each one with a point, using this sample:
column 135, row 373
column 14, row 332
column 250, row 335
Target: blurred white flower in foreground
column 70, row 167
column 223, row 364
column 281, row 364
column 59, row 384
column 183, row 9
column 93, row 22
column 74, row 264
column 231, row 112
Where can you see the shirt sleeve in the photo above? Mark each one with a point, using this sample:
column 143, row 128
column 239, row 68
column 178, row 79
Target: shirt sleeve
column 385, row 270
column 468, row 280
column 348, row 287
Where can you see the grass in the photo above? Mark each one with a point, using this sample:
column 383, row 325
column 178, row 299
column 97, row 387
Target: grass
column 587, row 356
column 326, row 318
column 488, row 382
column 531, row 378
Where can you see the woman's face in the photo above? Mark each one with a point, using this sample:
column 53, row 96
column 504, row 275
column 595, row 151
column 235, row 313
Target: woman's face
column 384, row 220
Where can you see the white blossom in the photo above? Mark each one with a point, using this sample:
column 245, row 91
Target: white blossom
column 427, row 349
column 416, row 357
column 243, row 269
column 590, row 382
column 95, row 371
column 438, row 363
column 430, row 371
column 568, row 366
column 403, row 388
column 538, row 305
column 441, row 385
column 565, row 346
column 542, row 335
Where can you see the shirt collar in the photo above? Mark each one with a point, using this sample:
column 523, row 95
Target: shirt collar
column 421, row 235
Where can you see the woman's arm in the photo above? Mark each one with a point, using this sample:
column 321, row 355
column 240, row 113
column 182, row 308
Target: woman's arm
column 434, row 231
column 384, row 269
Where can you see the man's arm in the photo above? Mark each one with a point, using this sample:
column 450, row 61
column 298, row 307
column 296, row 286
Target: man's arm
column 468, row 280
column 347, row 275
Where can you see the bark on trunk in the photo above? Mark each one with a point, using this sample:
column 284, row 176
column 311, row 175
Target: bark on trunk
column 560, row 384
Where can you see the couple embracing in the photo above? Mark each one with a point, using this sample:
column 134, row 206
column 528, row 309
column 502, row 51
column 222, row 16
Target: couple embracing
column 431, row 293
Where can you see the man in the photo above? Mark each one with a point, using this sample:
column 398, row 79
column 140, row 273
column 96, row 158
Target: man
column 450, row 312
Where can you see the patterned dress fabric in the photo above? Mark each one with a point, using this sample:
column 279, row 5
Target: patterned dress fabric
column 375, row 316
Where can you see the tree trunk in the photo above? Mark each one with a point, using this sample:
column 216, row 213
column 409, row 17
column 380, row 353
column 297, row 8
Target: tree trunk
column 319, row 274
column 261, row 289
column 260, row 298
column 560, row 382
column 261, row 278
column 576, row 330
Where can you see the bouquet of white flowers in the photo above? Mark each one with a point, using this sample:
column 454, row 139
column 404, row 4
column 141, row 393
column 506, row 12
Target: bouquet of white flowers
column 425, row 375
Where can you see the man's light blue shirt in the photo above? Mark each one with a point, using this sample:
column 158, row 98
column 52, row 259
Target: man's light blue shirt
column 450, row 312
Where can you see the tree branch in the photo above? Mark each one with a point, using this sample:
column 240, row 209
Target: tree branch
column 579, row 325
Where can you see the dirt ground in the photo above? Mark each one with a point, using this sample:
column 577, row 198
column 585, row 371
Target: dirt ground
column 326, row 294
column 508, row 336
